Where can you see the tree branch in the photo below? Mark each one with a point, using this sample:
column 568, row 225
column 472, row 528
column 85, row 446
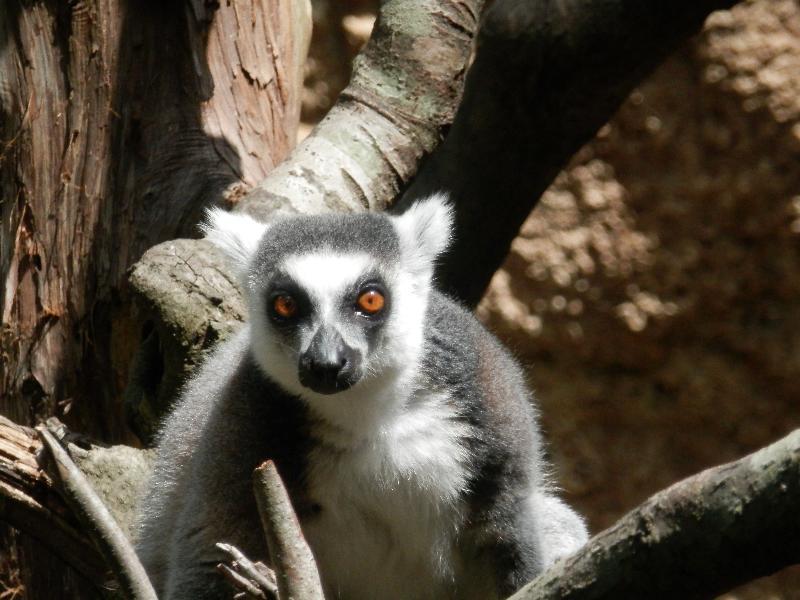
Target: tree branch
column 256, row 580
column 404, row 91
column 28, row 501
column 100, row 524
column 696, row 539
column 31, row 502
column 186, row 301
column 291, row 558
column 567, row 65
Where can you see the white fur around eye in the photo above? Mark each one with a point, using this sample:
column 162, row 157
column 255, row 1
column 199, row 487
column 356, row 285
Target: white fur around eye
column 324, row 275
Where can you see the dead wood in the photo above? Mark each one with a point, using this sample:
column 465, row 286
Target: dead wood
column 29, row 501
column 98, row 522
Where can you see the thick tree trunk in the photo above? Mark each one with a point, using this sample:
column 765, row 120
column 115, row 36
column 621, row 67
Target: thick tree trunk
column 119, row 122
column 119, row 125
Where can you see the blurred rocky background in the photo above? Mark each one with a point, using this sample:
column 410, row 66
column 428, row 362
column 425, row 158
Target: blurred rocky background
column 655, row 291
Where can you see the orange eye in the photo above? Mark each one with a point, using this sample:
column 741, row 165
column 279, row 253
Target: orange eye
column 371, row 302
column 285, row 306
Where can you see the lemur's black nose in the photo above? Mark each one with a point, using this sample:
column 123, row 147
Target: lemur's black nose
column 321, row 376
column 328, row 366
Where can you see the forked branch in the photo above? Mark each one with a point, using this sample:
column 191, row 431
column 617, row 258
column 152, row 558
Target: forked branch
column 547, row 75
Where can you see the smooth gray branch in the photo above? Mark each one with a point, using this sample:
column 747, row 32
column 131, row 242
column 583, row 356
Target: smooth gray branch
column 403, row 94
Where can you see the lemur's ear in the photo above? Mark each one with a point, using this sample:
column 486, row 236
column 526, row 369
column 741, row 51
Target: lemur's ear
column 425, row 230
column 237, row 235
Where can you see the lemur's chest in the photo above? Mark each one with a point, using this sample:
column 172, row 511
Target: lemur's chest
column 391, row 508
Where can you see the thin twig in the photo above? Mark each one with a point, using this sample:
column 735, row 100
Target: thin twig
column 261, row 576
column 100, row 525
column 240, row 582
column 295, row 567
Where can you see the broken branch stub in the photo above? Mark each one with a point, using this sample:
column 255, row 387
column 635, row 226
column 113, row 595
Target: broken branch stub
column 294, row 565
column 186, row 300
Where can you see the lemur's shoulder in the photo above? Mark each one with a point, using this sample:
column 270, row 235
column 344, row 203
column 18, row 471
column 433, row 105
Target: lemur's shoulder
column 459, row 348
column 487, row 384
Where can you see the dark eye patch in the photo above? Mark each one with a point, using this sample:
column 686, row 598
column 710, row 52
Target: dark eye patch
column 282, row 288
column 370, row 282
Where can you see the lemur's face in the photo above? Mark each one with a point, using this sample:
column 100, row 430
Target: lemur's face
column 326, row 314
column 336, row 301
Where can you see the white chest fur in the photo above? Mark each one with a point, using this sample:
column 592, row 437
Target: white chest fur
column 391, row 504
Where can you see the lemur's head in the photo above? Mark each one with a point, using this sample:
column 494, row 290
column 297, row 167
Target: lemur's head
column 335, row 300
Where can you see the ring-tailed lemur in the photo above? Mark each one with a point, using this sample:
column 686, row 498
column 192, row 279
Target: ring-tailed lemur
column 403, row 430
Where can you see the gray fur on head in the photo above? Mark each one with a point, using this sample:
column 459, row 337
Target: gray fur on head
column 404, row 431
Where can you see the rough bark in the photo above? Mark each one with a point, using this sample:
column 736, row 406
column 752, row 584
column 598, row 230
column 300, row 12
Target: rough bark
column 566, row 68
column 697, row 539
column 98, row 521
column 29, row 502
column 118, row 126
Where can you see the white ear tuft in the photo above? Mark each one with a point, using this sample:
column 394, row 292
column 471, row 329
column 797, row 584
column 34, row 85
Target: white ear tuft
column 237, row 235
column 425, row 230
